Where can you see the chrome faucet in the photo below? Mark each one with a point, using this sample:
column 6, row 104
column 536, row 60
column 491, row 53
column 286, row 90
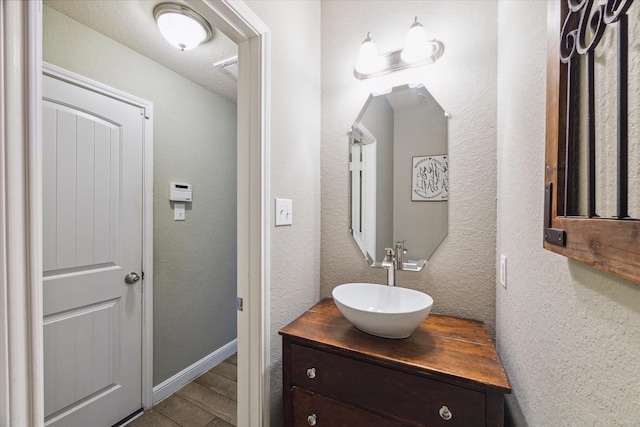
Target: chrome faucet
column 390, row 264
column 394, row 260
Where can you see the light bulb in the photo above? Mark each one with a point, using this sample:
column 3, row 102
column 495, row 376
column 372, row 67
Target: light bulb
column 416, row 46
column 368, row 61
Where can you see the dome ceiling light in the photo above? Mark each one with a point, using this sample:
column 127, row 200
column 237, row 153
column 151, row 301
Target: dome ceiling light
column 181, row 26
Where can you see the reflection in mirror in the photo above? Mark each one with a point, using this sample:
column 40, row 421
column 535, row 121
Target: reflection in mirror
column 399, row 185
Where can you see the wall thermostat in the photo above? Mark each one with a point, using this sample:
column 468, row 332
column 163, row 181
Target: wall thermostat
column 180, row 192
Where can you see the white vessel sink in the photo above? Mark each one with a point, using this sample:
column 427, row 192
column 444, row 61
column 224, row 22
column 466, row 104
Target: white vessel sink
column 384, row 311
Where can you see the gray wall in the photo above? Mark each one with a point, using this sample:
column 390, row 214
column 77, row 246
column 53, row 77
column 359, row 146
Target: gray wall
column 419, row 131
column 568, row 335
column 461, row 274
column 195, row 142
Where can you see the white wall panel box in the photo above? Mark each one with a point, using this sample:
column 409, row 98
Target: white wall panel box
column 180, row 192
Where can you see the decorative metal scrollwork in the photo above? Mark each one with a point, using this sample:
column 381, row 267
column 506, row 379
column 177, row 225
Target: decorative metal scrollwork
column 582, row 16
column 581, row 32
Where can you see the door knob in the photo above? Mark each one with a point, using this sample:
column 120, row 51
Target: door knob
column 131, row 278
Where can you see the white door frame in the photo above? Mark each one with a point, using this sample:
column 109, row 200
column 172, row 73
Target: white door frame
column 21, row 348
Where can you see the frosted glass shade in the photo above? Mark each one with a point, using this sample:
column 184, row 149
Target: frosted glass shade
column 182, row 27
column 368, row 60
column 416, row 46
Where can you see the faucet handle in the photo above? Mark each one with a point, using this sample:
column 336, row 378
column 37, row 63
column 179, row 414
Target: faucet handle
column 389, row 258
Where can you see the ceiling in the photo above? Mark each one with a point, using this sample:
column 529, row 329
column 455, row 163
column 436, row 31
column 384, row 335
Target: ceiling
column 131, row 23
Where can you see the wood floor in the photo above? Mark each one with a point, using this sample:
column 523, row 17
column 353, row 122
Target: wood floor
column 209, row 401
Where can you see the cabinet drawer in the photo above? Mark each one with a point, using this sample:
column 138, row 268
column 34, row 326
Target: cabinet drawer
column 385, row 391
column 313, row 409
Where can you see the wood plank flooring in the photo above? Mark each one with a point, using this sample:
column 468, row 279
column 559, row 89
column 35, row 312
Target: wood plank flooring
column 208, row 401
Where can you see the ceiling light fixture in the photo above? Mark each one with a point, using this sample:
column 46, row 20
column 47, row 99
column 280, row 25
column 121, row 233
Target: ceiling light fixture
column 182, row 27
column 417, row 51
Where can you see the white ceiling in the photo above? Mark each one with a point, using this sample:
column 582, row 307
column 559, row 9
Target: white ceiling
column 131, row 23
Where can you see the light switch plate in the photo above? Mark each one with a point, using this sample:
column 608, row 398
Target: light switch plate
column 179, row 213
column 503, row 270
column 284, row 212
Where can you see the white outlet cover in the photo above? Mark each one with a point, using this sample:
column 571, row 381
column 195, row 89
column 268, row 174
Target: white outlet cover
column 284, row 212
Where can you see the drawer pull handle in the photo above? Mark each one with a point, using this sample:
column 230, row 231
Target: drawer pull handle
column 445, row 413
column 311, row 373
column 312, row 419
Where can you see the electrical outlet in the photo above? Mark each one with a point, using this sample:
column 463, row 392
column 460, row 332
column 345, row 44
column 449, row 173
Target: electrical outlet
column 503, row 270
column 284, row 212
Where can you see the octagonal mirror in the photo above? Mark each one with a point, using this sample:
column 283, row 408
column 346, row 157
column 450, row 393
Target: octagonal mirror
column 399, row 176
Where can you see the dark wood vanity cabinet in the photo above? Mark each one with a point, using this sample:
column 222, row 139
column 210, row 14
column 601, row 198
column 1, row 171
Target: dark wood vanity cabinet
column 447, row 373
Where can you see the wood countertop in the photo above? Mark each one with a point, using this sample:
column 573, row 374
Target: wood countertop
column 442, row 347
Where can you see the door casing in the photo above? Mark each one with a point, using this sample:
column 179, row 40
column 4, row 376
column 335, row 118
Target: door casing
column 21, row 349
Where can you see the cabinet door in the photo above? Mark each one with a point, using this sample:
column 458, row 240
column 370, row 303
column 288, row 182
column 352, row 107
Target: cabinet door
column 314, row 409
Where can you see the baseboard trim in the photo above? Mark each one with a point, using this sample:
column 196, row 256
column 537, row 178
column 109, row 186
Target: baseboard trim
column 184, row 377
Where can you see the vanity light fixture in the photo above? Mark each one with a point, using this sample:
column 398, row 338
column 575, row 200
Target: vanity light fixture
column 417, row 51
column 181, row 26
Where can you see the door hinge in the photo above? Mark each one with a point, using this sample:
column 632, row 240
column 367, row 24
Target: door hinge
column 239, row 304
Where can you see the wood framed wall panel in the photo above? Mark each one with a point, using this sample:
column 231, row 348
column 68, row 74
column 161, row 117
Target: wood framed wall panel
column 611, row 245
column 556, row 88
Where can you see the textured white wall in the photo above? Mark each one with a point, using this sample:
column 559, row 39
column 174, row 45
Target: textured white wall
column 461, row 274
column 194, row 141
column 568, row 335
column 295, row 167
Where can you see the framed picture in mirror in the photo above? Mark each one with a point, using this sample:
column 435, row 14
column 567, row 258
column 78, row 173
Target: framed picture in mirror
column 430, row 178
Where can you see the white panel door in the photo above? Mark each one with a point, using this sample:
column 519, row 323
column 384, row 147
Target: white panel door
column 92, row 238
